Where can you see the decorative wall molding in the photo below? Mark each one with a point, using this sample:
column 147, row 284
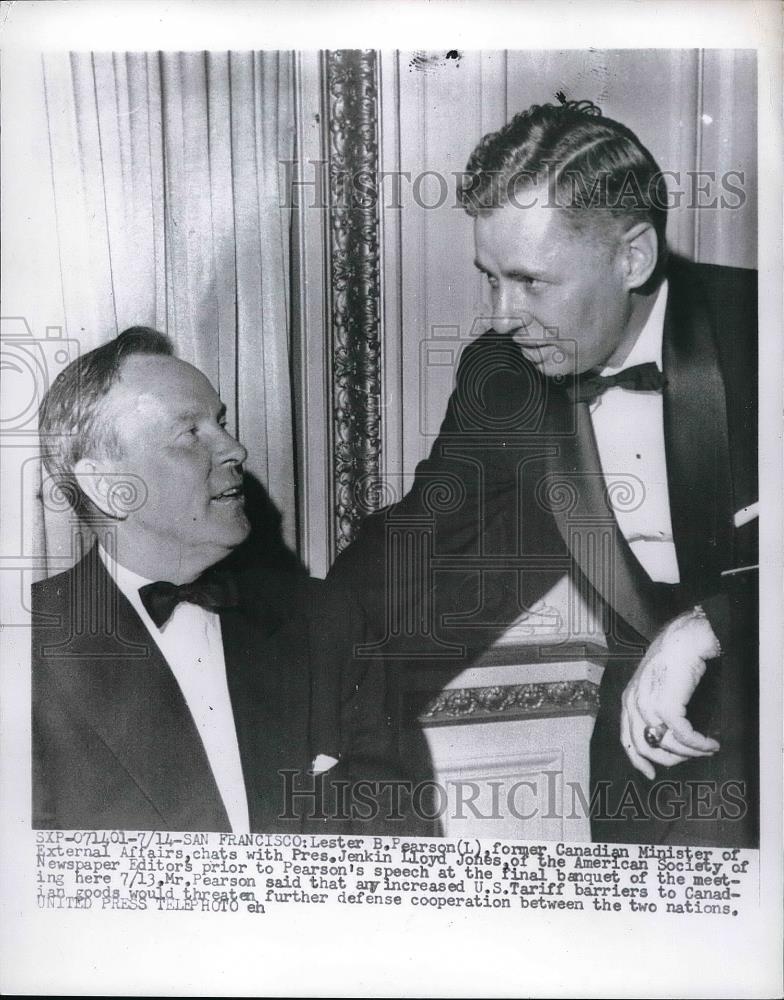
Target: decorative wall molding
column 354, row 279
column 508, row 701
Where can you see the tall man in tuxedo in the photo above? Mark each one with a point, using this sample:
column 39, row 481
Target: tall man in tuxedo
column 168, row 693
column 606, row 422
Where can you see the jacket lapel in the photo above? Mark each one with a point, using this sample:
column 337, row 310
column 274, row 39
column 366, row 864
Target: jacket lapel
column 696, row 439
column 587, row 523
column 267, row 666
column 698, row 474
column 127, row 693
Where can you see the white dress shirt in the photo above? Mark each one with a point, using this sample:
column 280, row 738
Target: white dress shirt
column 192, row 644
column 629, row 430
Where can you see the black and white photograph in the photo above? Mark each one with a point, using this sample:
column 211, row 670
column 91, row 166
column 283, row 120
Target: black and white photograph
column 391, row 434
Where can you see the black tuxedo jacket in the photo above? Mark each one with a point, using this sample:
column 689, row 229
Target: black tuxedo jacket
column 512, row 496
column 115, row 746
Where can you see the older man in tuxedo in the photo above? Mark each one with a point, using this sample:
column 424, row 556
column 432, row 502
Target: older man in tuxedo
column 606, row 422
column 169, row 693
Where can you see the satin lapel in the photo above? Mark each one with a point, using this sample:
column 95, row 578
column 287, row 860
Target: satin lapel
column 268, row 671
column 135, row 706
column 696, row 440
column 577, row 497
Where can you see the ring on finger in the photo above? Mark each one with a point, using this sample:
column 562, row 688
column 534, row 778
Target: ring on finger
column 653, row 735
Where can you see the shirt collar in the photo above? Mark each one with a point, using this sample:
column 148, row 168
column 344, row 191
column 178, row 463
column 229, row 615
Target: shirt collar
column 128, row 581
column 648, row 346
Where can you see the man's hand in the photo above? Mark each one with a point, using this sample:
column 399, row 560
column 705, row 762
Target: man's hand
column 660, row 690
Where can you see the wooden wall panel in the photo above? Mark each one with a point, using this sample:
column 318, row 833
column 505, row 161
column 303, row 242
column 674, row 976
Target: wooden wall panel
column 444, row 106
column 727, row 234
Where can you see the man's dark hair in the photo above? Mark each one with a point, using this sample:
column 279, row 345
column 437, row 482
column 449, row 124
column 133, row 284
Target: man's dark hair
column 594, row 168
column 71, row 420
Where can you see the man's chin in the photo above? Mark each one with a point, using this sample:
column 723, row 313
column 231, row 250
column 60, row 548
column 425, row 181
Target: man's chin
column 242, row 529
column 232, row 527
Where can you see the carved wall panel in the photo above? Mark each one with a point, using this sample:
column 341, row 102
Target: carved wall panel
column 352, row 137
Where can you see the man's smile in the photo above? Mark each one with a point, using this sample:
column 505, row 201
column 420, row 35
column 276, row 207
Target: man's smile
column 231, row 495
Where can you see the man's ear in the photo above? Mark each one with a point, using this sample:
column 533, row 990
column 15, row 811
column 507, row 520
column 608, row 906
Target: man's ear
column 640, row 254
column 95, row 481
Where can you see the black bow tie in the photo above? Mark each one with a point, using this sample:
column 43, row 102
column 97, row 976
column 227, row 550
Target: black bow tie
column 642, row 378
column 212, row 590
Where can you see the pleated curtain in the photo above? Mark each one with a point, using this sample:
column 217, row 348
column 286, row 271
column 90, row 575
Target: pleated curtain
column 170, row 213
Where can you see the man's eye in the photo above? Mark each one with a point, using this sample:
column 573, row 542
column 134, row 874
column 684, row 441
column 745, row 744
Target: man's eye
column 492, row 282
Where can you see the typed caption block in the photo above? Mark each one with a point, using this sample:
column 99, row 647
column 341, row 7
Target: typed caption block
column 261, row 873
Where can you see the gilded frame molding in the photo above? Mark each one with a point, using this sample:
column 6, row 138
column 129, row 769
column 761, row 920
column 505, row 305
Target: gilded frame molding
column 354, row 280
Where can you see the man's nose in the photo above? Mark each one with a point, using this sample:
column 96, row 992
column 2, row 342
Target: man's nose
column 509, row 314
column 508, row 323
column 230, row 450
